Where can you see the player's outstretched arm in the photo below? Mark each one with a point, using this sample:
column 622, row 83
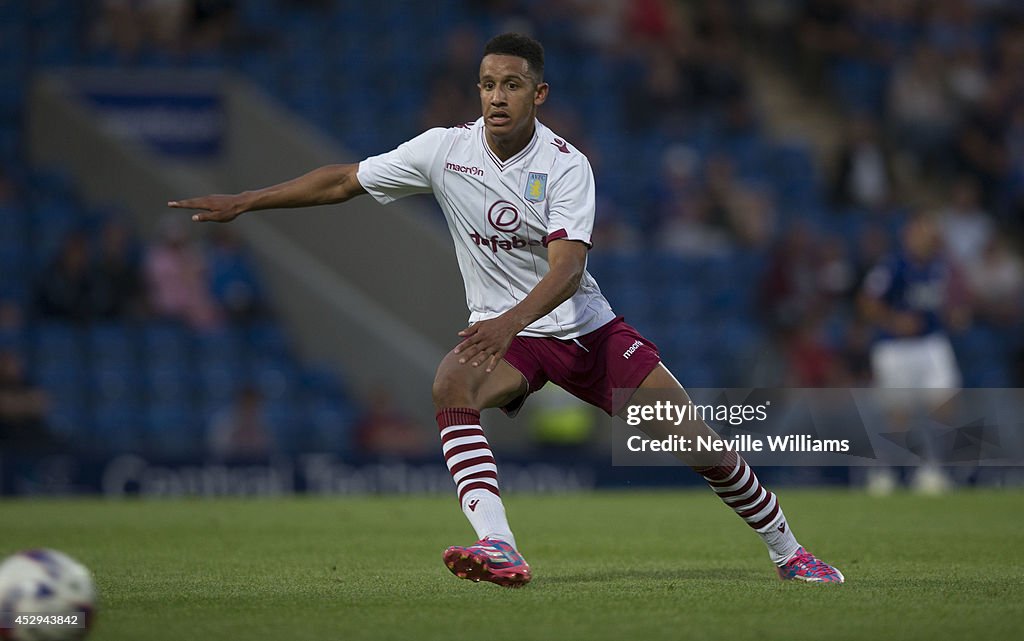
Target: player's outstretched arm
column 324, row 186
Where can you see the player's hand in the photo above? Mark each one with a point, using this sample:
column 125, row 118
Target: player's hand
column 485, row 342
column 217, row 208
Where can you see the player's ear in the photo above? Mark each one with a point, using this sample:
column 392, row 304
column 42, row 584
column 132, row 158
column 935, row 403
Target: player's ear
column 541, row 94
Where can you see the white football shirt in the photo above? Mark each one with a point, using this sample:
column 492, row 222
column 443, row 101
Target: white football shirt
column 501, row 215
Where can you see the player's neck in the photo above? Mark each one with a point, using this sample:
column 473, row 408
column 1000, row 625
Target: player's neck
column 505, row 147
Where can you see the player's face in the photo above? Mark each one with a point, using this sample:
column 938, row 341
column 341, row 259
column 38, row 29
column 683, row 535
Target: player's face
column 509, row 97
column 922, row 239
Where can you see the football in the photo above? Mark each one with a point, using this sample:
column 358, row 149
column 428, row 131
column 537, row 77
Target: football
column 45, row 595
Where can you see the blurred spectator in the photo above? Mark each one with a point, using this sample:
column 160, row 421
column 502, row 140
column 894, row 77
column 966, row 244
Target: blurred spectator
column 967, row 78
column 811, row 362
column 454, row 98
column 921, row 107
column 654, row 24
column 176, row 276
column 117, row 274
column 873, row 245
column 863, row 176
column 384, row 430
column 837, row 276
column 824, row 34
column 996, row 280
column 599, row 23
column 23, row 407
column 952, row 25
column 233, row 280
column 209, row 23
column 241, row 432
column 788, row 291
column 688, row 232
column 7, row 188
column 65, row 289
column 719, row 78
column 980, row 145
column 130, row 25
column 966, row 227
column 660, row 93
column 739, row 207
column 12, row 323
column 685, row 227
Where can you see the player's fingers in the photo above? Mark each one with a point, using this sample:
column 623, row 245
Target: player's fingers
column 494, row 362
column 480, row 358
column 466, row 334
column 467, row 349
column 469, row 331
column 188, row 203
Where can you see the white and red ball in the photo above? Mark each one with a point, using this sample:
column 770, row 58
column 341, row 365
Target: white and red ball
column 43, row 582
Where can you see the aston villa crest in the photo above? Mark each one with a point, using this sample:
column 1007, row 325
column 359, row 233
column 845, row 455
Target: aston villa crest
column 536, row 187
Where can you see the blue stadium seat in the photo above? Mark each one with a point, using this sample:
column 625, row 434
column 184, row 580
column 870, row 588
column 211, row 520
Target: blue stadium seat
column 58, row 343
column 166, row 342
column 269, row 338
column 285, row 418
column 330, row 422
column 113, row 343
column 168, row 382
column 68, row 417
column 172, row 430
column 118, row 425
column 225, row 343
column 116, row 382
column 217, row 381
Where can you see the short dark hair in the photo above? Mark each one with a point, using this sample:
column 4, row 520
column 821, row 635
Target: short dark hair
column 516, row 44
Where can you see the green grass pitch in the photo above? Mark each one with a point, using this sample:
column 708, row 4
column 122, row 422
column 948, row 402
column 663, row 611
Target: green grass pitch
column 625, row 565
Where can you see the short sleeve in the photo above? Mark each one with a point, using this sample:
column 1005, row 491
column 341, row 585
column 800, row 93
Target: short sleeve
column 403, row 171
column 571, row 204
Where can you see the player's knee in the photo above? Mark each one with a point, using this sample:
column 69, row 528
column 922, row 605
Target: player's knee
column 450, row 389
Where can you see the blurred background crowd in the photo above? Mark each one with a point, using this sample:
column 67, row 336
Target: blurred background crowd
column 739, row 250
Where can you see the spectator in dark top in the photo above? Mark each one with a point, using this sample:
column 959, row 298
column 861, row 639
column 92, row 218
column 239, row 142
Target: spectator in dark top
column 209, row 23
column 117, row 274
column 12, row 323
column 22, row 407
column 980, row 148
column 65, row 289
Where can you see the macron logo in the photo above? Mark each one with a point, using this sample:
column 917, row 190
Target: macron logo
column 462, row 169
column 632, row 348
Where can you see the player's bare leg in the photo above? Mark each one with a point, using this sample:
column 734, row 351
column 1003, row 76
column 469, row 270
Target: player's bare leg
column 736, row 484
column 460, row 391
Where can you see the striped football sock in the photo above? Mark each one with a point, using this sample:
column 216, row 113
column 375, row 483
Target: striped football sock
column 737, row 485
column 472, row 466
